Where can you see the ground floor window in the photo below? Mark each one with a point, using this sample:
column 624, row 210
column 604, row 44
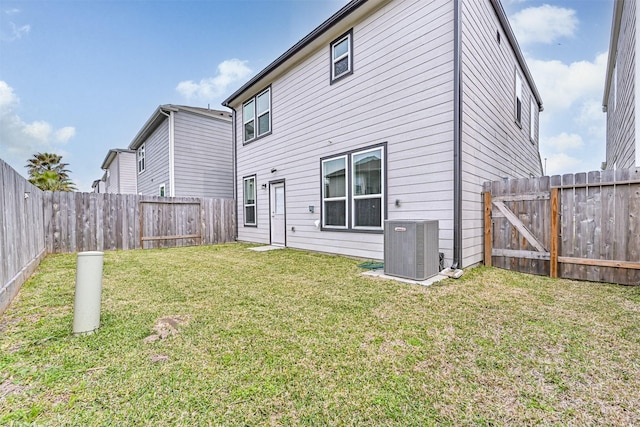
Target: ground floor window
column 249, row 192
column 353, row 190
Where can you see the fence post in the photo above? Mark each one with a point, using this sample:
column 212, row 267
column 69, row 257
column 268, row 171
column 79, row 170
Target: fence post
column 487, row 228
column 553, row 267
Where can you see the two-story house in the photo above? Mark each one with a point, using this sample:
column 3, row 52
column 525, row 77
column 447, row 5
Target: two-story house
column 390, row 109
column 185, row 151
column 620, row 102
column 119, row 168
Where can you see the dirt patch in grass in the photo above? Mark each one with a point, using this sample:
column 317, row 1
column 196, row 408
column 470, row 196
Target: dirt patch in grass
column 7, row 387
column 167, row 326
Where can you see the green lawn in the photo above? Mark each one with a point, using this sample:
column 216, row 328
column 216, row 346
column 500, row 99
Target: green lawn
column 297, row 338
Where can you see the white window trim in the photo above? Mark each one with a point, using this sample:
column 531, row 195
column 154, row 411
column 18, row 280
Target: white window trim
column 141, row 159
column 350, row 193
column 254, row 204
column 162, row 188
column 256, row 134
column 349, row 54
column 335, row 199
column 532, row 120
column 244, row 122
column 267, row 111
column 367, row 196
column 518, row 97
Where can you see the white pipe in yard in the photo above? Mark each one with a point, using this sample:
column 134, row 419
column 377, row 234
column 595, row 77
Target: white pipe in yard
column 86, row 309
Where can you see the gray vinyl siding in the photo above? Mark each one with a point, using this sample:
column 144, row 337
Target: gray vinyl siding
column 203, row 162
column 156, row 162
column 113, row 180
column 494, row 145
column 621, row 143
column 401, row 93
column 128, row 172
column 121, row 178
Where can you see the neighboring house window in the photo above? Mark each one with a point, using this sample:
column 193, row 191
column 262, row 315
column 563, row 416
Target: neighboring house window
column 532, row 121
column 342, row 56
column 250, row 200
column 615, row 86
column 518, row 99
column 257, row 109
column 141, row 159
column 353, row 190
column 162, row 190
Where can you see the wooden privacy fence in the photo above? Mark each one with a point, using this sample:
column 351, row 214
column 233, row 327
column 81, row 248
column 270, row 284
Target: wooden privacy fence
column 584, row 226
column 77, row 222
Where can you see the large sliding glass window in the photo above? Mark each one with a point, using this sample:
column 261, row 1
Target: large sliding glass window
column 249, row 200
column 353, row 190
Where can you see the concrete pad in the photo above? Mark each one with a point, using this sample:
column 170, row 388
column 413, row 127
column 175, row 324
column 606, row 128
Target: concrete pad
column 428, row 282
column 266, row 248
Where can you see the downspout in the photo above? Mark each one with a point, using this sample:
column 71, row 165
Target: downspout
column 457, row 136
column 171, row 117
column 235, row 163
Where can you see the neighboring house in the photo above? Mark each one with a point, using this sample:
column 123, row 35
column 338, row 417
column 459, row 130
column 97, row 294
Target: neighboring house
column 185, row 151
column 390, row 109
column 99, row 185
column 120, row 171
column 620, row 101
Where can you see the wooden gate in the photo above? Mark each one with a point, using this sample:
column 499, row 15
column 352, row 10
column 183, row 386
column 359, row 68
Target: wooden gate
column 583, row 226
column 170, row 223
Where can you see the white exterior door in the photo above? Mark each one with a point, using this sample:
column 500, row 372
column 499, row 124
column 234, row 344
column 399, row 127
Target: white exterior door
column 277, row 214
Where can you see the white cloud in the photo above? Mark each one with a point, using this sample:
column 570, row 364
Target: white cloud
column 561, row 85
column 7, row 98
column 562, row 142
column 14, row 32
column 65, row 134
column 12, row 11
column 19, row 140
column 544, row 24
column 560, row 163
column 211, row 88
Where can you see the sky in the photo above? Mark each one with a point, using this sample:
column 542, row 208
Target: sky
column 80, row 77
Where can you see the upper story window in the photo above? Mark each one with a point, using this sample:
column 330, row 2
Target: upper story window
column 342, row 56
column 532, row 121
column 353, row 191
column 162, row 190
column 249, row 203
column 257, row 109
column 141, row 159
column 518, row 99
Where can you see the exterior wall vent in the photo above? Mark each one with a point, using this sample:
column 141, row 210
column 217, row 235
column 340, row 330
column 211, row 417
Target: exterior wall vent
column 411, row 249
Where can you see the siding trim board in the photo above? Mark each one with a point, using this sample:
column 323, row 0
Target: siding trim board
column 636, row 93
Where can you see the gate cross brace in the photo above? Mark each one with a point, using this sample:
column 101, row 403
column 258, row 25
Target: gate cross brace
column 513, row 219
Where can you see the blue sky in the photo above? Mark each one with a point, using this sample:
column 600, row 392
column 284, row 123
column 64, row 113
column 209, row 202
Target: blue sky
column 80, row 77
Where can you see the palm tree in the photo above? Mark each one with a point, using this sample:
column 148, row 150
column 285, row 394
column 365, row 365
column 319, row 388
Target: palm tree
column 47, row 172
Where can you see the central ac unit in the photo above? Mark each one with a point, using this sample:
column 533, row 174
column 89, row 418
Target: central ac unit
column 411, row 249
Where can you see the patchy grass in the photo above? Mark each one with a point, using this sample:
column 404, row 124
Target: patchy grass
column 296, row 338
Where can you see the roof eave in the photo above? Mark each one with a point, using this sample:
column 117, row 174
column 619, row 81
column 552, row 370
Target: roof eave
column 304, row 42
column 506, row 27
column 154, row 121
column 613, row 48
